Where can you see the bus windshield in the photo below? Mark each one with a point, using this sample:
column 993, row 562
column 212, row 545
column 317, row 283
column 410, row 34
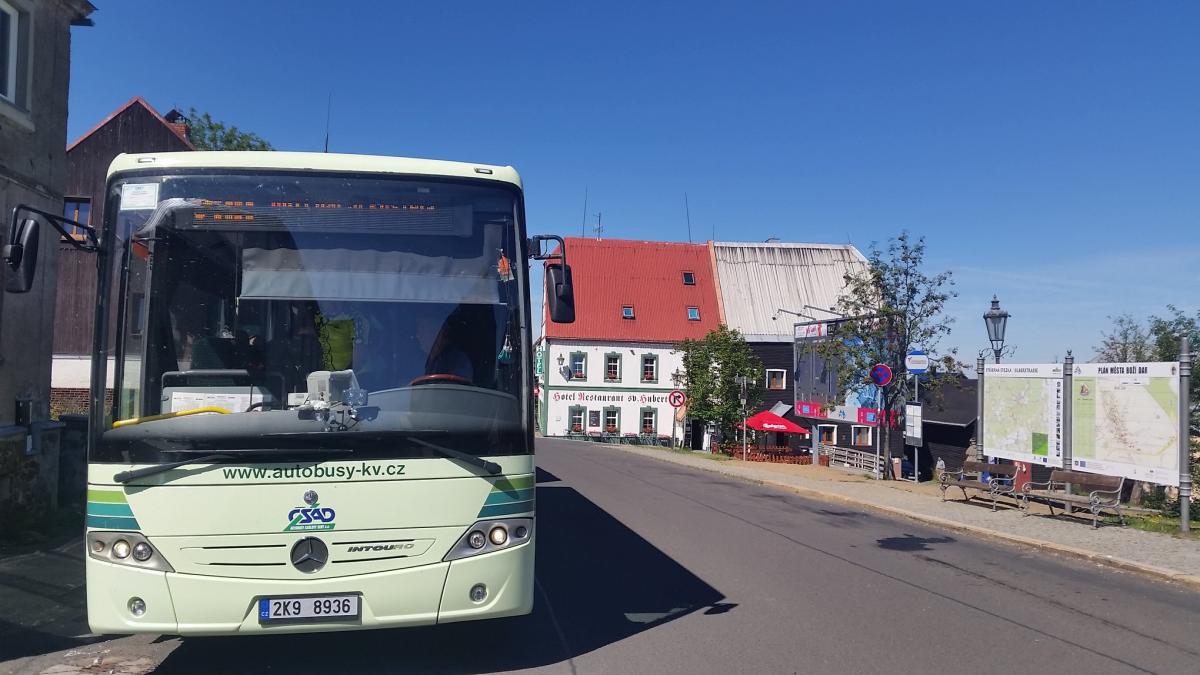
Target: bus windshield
column 361, row 314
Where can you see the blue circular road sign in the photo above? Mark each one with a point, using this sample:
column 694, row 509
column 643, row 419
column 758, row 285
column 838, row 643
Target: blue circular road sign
column 881, row 374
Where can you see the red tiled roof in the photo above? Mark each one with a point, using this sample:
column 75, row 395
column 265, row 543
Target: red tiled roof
column 178, row 130
column 648, row 275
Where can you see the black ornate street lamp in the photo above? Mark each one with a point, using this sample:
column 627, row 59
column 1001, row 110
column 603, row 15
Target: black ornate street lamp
column 996, row 320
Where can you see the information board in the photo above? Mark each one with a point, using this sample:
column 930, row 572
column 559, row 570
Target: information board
column 1023, row 413
column 1125, row 420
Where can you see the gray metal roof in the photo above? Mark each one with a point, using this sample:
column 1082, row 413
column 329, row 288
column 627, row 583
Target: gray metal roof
column 757, row 278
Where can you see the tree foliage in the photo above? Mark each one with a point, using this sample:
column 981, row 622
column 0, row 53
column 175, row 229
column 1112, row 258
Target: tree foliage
column 893, row 306
column 205, row 133
column 1156, row 340
column 710, row 368
column 1127, row 342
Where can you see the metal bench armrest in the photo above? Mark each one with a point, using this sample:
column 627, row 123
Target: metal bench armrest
column 1034, row 485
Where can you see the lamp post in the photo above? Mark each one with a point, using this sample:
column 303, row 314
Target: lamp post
column 676, row 380
column 742, row 381
column 996, row 320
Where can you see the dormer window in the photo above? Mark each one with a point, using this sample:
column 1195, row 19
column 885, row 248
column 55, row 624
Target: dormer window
column 689, row 278
column 627, row 312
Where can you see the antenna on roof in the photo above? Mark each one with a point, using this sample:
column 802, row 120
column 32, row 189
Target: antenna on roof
column 599, row 228
column 687, row 212
column 328, row 109
column 583, row 220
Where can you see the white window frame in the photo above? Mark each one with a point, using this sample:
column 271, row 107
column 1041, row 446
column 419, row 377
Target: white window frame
column 617, row 377
column 767, row 381
column 870, row 436
column 632, row 314
column 689, row 313
column 13, row 55
column 827, row 426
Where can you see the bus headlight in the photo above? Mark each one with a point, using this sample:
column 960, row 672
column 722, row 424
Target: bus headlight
column 501, row 534
column 125, row 548
column 142, row 551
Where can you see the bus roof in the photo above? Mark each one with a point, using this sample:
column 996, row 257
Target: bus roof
column 312, row 161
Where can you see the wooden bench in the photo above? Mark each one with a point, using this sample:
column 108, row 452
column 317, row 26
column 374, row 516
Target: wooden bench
column 1103, row 492
column 971, row 476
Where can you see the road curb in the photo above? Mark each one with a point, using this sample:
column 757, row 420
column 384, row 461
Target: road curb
column 1163, row 573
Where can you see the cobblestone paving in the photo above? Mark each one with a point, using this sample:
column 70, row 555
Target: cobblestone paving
column 1170, row 555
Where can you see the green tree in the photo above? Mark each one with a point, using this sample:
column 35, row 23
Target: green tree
column 1127, row 342
column 892, row 306
column 205, row 133
column 710, row 367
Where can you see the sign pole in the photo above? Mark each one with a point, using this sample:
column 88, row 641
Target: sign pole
column 916, row 450
column 1185, row 445
column 979, row 363
column 1068, row 407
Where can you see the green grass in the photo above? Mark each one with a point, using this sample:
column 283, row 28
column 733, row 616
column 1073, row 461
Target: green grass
column 1161, row 524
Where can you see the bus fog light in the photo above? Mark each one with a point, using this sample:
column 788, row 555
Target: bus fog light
column 498, row 535
column 478, row 593
column 521, row 532
column 120, row 549
column 137, row 606
column 476, row 539
column 97, row 546
column 142, row 551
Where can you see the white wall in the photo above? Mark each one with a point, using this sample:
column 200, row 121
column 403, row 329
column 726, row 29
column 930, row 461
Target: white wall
column 629, row 394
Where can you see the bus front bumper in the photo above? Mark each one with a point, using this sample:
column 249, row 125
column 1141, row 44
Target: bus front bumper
column 188, row 604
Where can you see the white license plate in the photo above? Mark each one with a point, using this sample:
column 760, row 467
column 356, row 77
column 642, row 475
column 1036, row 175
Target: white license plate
column 308, row 608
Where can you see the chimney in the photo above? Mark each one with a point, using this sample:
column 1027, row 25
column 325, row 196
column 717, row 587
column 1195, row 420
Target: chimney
column 179, row 123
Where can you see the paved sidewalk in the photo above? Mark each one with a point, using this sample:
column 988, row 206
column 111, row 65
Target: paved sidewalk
column 1158, row 554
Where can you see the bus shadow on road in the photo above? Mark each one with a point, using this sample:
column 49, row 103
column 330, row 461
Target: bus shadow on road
column 598, row 583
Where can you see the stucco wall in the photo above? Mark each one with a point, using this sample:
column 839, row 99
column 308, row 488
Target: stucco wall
column 628, row 394
column 33, row 171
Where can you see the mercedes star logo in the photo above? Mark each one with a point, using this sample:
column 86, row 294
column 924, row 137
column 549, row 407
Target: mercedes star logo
column 309, row 555
column 310, row 497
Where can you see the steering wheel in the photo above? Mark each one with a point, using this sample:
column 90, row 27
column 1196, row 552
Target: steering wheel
column 435, row 378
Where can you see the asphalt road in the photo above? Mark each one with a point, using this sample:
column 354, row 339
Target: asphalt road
column 645, row 566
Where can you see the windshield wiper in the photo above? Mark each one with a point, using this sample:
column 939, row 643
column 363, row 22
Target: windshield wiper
column 126, row 476
column 490, row 467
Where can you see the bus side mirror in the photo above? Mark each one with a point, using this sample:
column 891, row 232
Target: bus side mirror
column 560, row 293
column 20, row 254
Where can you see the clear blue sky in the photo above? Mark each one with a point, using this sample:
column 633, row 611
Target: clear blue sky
column 1050, row 152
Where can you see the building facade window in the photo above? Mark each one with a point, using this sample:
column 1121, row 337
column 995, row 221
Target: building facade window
column 693, row 314
column 627, row 312
column 612, row 367
column 612, row 420
column 649, row 368
column 578, row 366
column 576, row 414
column 827, row 434
column 776, row 378
column 689, row 279
column 649, row 420
column 78, row 209
column 860, row 436
column 14, row 54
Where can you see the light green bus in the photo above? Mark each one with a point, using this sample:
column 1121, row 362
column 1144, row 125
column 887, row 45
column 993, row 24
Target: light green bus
column 320, row 373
